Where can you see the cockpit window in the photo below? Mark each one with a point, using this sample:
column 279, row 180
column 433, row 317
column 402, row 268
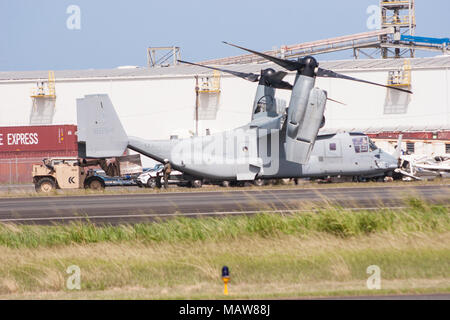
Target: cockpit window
column 263, row 104
column 361, row 144
column 372, row 145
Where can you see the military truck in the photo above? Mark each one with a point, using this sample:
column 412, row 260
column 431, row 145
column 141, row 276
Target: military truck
column 71, row 173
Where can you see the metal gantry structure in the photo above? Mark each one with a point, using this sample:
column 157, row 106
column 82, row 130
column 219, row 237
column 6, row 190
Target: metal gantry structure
column 401, row 16
column 395, row 39
column 160, row 56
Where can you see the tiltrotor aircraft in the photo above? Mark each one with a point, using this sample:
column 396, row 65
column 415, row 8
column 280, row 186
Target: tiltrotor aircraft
column 274, row 145
column 338, row 154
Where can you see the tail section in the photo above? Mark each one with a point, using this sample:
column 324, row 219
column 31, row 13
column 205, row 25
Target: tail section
column 100, row 132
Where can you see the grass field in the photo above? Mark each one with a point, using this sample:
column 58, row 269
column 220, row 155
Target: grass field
column 269, row 255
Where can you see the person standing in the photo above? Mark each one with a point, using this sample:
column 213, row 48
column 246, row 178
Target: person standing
column 167, row 170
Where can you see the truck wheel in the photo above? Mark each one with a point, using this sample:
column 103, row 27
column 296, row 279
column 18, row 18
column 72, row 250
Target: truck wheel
column 196, row 183
column 45, row 185
column 152, row 183
column 95, row 184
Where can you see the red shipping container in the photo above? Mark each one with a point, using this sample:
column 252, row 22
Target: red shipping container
column 18, row 141
column 21, row 147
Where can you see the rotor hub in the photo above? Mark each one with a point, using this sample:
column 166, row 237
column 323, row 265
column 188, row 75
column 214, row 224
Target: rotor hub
column 310, row 66
column 265, row 76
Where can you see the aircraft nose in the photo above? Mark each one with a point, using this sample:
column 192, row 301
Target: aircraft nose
column 393, row 165
column 392, row 161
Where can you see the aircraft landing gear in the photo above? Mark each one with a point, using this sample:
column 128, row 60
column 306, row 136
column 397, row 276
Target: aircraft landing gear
column 196, row 184
column 258, row 182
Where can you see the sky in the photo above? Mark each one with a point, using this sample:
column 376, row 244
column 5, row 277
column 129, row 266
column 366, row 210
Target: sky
column 46, row 35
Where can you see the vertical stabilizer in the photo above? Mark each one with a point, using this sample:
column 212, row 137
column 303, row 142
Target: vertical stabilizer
column 100, row 132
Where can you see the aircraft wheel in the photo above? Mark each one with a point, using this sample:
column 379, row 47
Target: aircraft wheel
column 196, row 183
column 45, row 185
column 258, row 182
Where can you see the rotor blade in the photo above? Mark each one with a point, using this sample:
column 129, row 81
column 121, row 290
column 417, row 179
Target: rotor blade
column 331, row 74
column 287, row 64
column 278, row 76
column 247, row 76
column 276, row 80
column 337, row 101
column 282, row 85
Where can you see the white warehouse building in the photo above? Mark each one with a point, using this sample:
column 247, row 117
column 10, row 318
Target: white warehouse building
column 157, row 103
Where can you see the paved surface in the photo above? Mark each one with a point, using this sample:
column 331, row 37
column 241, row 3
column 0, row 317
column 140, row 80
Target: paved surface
column 131, row 208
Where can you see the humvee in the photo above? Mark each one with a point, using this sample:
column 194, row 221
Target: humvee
column 64, row 173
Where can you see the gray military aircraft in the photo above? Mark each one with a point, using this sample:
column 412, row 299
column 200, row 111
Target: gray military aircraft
column 265, row 104
column 339, row 154
column 271, row 146
column 268, row 81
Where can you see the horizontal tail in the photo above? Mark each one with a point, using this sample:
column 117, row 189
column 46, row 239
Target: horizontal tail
column 100, row 132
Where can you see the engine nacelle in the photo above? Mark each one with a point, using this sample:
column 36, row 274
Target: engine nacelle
column 303, row 127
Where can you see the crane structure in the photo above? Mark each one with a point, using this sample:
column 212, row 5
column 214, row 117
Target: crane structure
column 395, row 39
column 400, row 15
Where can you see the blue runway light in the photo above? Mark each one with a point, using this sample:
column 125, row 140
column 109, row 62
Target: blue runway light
column 225, row 279
column 225, row 272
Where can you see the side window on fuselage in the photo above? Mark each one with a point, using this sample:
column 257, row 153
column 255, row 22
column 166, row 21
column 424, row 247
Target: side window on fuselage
column 333, row 146
column 361, row 144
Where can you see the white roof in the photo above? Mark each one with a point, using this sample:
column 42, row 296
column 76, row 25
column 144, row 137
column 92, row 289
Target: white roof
column 439, row 62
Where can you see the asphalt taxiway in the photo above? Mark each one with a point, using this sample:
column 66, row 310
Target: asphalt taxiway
column 132, row 208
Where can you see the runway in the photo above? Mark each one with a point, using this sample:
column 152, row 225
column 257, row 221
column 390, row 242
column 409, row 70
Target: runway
column 133, row 208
